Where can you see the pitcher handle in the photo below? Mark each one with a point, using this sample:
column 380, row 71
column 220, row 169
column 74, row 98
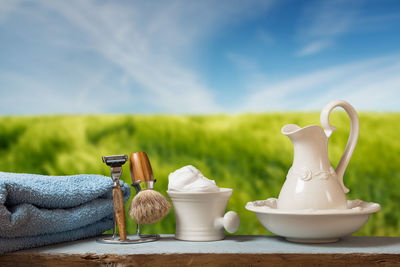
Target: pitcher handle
column 353, row 137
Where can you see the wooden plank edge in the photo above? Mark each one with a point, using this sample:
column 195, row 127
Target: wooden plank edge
column 200, row 259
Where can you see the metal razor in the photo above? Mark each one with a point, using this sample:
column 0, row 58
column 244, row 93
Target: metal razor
column 116, row 162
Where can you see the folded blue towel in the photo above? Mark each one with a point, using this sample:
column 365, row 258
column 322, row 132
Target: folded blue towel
column 37, row 210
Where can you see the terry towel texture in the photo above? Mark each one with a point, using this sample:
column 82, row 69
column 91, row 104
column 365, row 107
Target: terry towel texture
column 37, row 210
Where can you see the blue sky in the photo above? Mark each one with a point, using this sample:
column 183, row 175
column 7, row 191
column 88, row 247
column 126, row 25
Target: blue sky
column 197, row 56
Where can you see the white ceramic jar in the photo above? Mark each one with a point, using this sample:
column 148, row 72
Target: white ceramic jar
column 200, row 216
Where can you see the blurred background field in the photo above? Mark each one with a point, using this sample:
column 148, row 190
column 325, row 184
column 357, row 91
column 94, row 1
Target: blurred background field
column 245, row 152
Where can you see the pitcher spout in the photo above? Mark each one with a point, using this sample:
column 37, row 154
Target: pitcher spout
column 290, row 129
column 310, row 146
column 311, row 131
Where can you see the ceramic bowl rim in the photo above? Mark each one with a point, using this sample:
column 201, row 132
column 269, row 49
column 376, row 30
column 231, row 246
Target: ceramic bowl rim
column 179, row 193
column 374, row 207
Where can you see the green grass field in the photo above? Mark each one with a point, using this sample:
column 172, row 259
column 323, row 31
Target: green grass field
column 244, row 152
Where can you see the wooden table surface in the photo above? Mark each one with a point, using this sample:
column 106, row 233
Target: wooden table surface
column 233, row 251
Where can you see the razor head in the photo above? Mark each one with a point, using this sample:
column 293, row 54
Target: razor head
column 115, row 161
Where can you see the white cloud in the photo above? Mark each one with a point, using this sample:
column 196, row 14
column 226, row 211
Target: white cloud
column 167, row 84
column 26, row 95
column 369, row 85
column 323, row 22
column 242, row 62
column 153, row 43
column 313, row 48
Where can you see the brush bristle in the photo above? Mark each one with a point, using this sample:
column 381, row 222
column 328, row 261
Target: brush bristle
column 149, row 207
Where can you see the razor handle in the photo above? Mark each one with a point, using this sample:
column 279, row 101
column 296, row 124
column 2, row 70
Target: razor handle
column 119, row 210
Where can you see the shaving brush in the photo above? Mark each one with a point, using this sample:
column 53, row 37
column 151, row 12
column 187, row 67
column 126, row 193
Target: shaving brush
column 148, row 206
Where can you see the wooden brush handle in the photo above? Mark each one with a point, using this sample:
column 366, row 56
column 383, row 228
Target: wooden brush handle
column 140, row 167
column 119, row 211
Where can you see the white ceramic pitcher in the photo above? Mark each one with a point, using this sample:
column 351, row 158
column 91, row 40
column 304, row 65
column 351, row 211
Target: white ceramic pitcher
column 312, row 183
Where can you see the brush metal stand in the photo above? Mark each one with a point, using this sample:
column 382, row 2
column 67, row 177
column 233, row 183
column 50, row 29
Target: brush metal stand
column 137, row 238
